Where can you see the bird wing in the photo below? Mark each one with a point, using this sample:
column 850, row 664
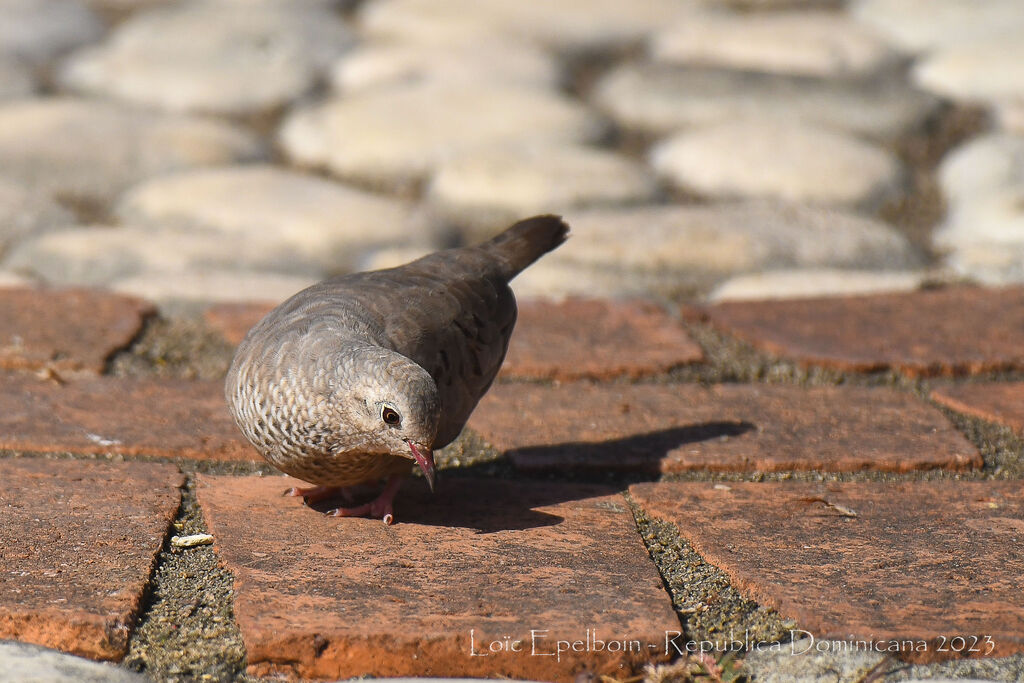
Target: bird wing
column 451, row 312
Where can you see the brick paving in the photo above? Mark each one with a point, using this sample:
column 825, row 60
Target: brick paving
column 233, row 320
column 935, row 563
column 923, row 333
column 1000, row 402
column 77, row 545
column 485, row 563
column 737, row 428
column 69, row 329
column 132, row 417
column 447, row 590
column 622, row 339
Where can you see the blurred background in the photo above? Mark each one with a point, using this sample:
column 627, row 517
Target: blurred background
column 195, row 151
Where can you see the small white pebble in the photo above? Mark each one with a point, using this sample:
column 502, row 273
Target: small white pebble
column 193, row 540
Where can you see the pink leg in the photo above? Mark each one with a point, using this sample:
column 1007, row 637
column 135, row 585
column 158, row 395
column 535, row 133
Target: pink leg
column 378, row 508
column 314, row 494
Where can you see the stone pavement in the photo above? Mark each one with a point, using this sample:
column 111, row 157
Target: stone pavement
column 768, row 392
column 849, row 507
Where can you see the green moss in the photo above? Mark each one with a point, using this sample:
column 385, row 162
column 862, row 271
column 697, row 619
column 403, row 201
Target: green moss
column 188, row 632
column 710, row 610
column 174, row 347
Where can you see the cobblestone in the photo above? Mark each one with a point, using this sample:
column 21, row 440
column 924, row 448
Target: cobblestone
column 229, row 58
column 285, row 221
column 916, row 26
column 369, row 137
column 797, row 43
column 668, row 246
column 491, row 188
column 25, row 213
column 15, row 79
column 660, row 99
column 571, row 25
column 26, row 662
column 37, row 31
column 475, row 60
column 983, row 231
column 809, row 282
column 809, row 164
column 112, row 147
column 100, row 255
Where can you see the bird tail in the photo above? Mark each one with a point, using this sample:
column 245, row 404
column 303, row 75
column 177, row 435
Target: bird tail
column 526, row 241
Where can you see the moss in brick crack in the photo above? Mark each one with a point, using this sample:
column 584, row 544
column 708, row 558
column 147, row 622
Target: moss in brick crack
column 1001, row 448
column 709, row 608
column 187, row 631
column 174, row 347
column 920, row 207
column 728, row 359
column 732, row 360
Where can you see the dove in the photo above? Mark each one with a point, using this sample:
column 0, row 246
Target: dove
column 361, row 377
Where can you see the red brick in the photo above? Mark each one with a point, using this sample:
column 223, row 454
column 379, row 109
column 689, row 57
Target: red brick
column 1001, row 402
column 727, row 427
column 78, row 543
column 169, row 418
column 596, row 339
column 327, row 597
column 66, row 329
column 962, row 330
column 919, row 561
column 233, row 320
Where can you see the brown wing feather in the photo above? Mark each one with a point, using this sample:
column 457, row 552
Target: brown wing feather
column 451, row 312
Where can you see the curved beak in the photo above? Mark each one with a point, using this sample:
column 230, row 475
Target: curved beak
column 424, row 457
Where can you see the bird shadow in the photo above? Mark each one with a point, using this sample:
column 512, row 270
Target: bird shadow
column 635, row 453
column 473, row 497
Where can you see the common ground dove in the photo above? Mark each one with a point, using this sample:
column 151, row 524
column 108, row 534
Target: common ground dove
column 356, row 378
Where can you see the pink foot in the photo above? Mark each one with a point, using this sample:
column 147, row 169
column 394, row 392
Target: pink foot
column 315, row 494
column 380, row 507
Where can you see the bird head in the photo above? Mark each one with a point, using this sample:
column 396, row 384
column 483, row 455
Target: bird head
column 392, row 404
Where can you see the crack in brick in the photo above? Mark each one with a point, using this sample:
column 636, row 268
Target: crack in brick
column 186, row 629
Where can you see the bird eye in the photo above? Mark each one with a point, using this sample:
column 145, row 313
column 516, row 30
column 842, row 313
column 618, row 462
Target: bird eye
column 390, row 416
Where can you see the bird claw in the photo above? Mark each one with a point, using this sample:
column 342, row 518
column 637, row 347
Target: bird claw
column 314, row 494
column 381, row 507
column 372, row 510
